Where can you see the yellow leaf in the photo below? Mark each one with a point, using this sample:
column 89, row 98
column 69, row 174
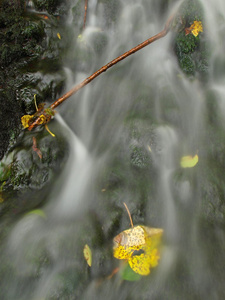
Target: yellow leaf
column 59, row 36
column 139, row 245
column 196, row 27
column 25, row 120
column 87, row 255
column 189, row 161
column 42, row 119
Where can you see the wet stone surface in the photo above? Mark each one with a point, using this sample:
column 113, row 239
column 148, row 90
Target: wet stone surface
column 30, row 60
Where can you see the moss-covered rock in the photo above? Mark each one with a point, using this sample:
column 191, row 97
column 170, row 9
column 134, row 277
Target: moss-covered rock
column 31, row 57
column 192, row 51
column 51, row 6
column 28, row 168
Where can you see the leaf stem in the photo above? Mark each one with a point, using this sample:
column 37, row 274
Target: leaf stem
column 131, row 222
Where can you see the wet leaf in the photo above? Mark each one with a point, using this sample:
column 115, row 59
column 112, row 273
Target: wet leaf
column 139, row 245
column 195, row 28
column 128, row 274
column 38, row 212
column 88, row 255
column 189, row 161
column 25, row 120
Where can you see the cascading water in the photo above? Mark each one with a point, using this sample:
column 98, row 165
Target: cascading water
column 127, row 132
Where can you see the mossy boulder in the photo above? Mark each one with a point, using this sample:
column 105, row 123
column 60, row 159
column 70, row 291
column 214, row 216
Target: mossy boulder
column 31, row 56
column 35, row 158
column 192, row 51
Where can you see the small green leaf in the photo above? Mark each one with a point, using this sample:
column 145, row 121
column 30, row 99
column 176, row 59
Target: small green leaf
column 38, row 212
column 128, row 274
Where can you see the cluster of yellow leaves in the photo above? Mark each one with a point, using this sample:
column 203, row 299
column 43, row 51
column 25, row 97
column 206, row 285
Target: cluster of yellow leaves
column 140, row 247
column 27, row 119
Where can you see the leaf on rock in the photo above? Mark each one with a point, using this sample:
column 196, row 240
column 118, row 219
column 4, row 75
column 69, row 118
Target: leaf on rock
column 87, row 255
column 189, row 161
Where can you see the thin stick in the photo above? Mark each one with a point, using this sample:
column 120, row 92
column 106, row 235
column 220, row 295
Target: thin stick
column 105, row 68
column 85, row 13
column 131, row 222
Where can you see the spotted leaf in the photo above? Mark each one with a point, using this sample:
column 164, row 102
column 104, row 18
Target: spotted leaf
column 139, row 245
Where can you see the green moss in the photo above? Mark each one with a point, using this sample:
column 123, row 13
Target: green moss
column 48, row 5
column 33, row 30
column 139, row 156
column 186, row 43
column 30, row 61
column 192, row 52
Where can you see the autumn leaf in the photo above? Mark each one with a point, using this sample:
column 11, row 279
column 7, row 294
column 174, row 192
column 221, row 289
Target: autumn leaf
column 87, row 255
column 44, row 117
column 195, row 28
column 139, row 246
column 59, row 36
column 189, row 161
column 25, row 120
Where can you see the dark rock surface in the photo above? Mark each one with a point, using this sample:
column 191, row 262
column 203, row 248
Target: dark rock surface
column 30, row 60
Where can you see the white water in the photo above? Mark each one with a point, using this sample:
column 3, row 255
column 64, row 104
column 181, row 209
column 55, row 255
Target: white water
column 97, row 133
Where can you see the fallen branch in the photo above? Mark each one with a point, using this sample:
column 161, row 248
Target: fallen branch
column 38, row 121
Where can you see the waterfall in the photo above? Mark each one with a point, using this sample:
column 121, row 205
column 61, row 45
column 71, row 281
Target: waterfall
column 127, row 132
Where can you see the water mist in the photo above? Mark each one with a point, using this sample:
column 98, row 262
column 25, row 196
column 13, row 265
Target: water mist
column 127, row 132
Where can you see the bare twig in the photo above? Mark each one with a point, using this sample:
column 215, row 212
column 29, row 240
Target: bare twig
column 85, row 13
column 105, row 68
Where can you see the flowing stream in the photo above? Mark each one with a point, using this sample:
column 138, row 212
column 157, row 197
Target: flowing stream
column 127, row 131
